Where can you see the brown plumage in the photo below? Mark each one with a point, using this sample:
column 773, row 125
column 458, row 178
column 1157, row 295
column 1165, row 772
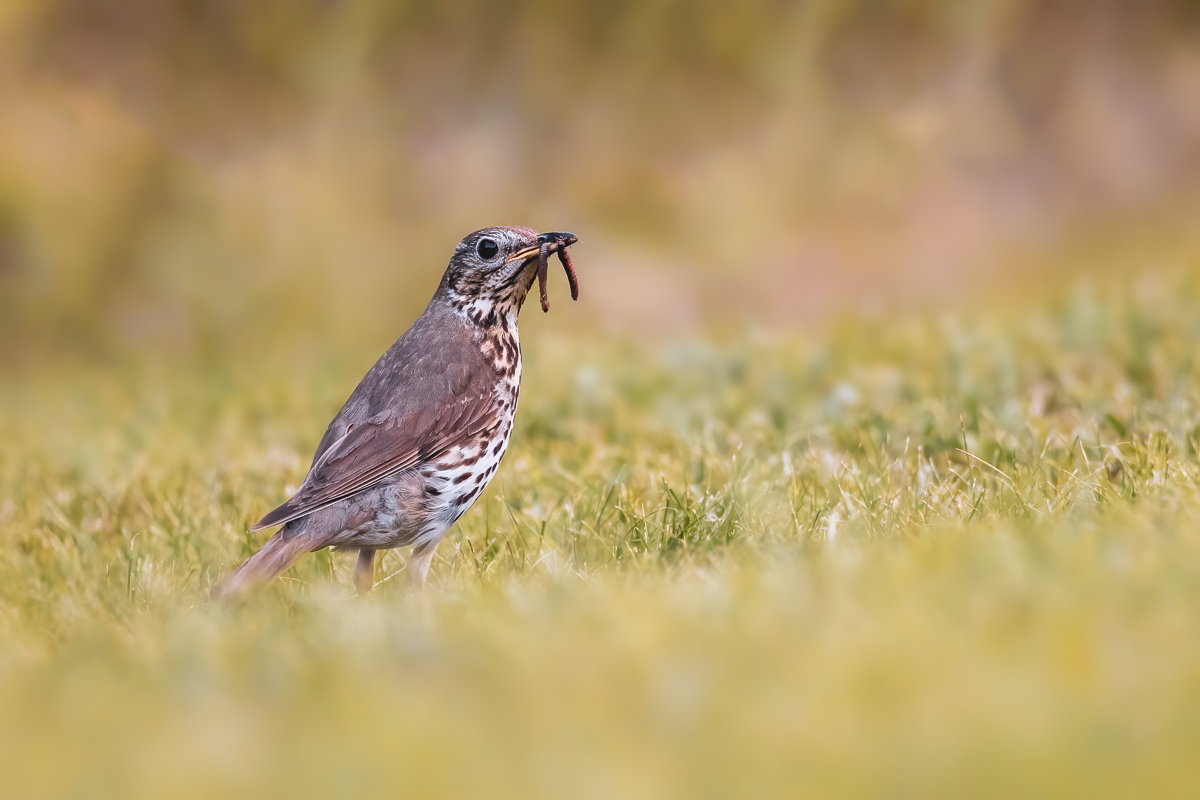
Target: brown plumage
column 424, row 431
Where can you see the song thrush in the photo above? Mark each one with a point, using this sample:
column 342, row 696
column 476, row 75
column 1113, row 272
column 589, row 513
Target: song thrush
column 425, row 430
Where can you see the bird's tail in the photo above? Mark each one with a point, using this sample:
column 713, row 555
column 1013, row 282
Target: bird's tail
column 280, row 552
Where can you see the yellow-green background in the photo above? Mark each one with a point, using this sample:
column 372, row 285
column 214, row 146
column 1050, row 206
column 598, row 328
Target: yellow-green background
column 866, row 463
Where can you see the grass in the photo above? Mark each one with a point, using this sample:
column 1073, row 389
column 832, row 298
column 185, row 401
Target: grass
column 908, row 556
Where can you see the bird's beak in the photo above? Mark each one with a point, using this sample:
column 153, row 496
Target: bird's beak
column 557, row 240
column 561, row 238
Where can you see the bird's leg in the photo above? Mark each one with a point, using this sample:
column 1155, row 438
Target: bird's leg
column 364, row 571
column 418, row 563
column 543, row 268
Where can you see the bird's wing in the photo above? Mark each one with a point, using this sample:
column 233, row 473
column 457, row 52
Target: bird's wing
column 433, row 413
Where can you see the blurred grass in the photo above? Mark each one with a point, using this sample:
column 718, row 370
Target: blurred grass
column 177, row 176
column 911, row 556
column 866, row 464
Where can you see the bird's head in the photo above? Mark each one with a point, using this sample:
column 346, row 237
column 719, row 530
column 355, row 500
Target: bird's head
column 492, row 270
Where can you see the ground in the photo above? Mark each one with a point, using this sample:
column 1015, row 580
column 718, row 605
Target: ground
column 949, row 553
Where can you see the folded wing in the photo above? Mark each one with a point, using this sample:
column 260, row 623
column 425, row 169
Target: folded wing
column 426, row 414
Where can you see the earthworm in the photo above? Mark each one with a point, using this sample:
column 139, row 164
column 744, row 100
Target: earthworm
column 543, row 255
column 544, row 267
column 570, row 269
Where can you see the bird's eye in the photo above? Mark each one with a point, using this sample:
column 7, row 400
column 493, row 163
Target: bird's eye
column 487, row 249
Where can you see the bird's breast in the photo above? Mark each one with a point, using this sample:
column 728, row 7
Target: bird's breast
column 502, row 349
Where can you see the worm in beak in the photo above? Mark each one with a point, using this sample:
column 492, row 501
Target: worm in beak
column 569, row 268
column 558, row 244
column 543, row 269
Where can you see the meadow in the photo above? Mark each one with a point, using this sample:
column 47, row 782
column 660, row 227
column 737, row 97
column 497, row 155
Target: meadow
column 867, row 464
column 949, row 554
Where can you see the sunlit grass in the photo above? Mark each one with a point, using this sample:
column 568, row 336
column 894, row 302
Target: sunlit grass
column 951, row 555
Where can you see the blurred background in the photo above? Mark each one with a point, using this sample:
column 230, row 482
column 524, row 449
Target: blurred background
column 218, row 177
column 865, row 464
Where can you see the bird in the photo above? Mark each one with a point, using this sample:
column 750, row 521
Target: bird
column 423, row 433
